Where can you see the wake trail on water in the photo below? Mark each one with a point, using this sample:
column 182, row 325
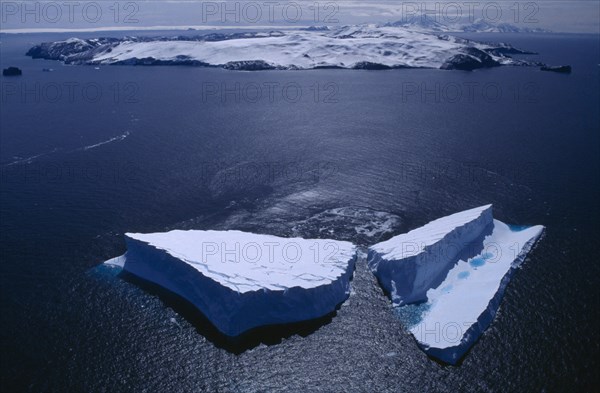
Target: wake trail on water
column 114, row 139
column 29, row 160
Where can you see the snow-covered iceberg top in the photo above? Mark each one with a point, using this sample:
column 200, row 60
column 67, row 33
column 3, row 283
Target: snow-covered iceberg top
column 247, row 262
column 243, row 280
column 466, row 259
column 358, row 47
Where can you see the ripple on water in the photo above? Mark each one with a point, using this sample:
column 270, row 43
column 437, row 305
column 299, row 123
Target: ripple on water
column 361, row 225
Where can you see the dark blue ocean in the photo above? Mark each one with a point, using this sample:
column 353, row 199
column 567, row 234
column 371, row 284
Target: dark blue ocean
column 88, row 154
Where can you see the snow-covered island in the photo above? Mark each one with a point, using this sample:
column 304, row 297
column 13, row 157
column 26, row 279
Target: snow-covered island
column 351, row 47
column 448, row 277
column 243, row 280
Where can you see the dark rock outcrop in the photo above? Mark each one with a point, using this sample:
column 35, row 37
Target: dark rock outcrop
column 367, row 65
column 12, row 71
column 470, row 59
column 151, row 61
column 564, row 69
column 249, row 65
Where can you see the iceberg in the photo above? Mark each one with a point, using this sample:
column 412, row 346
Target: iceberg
column 408, row 265
column 448, row 277
column 240, row 280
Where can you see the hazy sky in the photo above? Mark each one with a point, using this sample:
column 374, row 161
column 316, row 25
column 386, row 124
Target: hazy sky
column 560, row 16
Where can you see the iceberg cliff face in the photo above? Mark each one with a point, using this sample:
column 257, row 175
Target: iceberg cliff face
column 241, row 280
column 449, row 277
column 408, row 265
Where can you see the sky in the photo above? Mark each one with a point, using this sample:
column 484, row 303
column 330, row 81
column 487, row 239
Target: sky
column 20, row 16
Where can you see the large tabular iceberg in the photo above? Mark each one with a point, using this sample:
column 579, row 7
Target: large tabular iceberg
column 242, row 280
column 449, row 276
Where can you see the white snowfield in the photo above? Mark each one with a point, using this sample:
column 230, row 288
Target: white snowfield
column 466, row 259
column 243, row 280
column 299, row 49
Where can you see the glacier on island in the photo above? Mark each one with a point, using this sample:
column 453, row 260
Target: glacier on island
column 448, row 277
column 355, row 47
column 240, row 280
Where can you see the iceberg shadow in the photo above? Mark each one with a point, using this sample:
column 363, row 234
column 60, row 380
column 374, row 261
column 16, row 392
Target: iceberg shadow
column 267, row 334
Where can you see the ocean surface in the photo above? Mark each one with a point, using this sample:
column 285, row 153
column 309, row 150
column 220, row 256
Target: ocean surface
column 88, row 154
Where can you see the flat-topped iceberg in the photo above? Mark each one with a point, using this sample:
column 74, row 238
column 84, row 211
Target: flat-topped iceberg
column 449, row 276
column 408, row 265
column 356, row 47
column 243, row 280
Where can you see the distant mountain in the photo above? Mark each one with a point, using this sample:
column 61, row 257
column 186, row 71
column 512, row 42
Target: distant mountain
column 315, row 28
column 420, row 24
column 429, row 24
